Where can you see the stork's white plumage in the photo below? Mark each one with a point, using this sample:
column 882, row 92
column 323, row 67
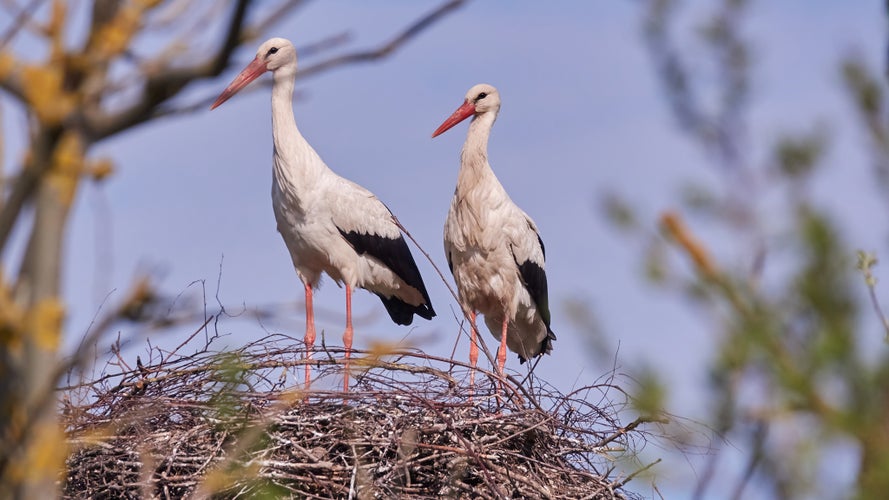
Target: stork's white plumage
column 330, row 224
column 493, row 248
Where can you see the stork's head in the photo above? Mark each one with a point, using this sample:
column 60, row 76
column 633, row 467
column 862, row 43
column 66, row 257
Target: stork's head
column 276, row 55
column 480, row 99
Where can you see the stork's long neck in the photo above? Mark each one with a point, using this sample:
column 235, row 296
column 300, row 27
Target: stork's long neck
column 474, row 167
column 296, row 163
column 283, row 123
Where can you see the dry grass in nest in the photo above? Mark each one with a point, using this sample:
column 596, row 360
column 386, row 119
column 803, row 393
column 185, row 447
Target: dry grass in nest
column 231, row 425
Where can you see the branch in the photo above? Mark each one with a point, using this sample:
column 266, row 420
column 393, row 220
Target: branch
column 672, row 69
column 20, row 21
column 159, row 88
column 26, row 182
column 674, row 226
column 760, row 432
column 719, row 130
column 385, row 49
column 866, row 262
column 381, row 52
column 620, row 484
column 886, row 47
column 621, row 431
column 275, row 16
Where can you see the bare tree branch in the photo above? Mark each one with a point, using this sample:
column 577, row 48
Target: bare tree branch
column 274, row 17
column 758, row 440
column 21, row 20
column 386, row 49
column 25, row 184
column 720, row 129
column 12, row 84
column 167, row 84
column 886, row 47
column 380, row 52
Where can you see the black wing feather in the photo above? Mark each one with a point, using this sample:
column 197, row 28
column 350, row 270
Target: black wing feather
column 394, row 254
column 534, row 278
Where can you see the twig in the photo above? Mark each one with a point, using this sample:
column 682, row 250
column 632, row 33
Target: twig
column 758, row 439
column 388, row 48
column 866, row 263
column 620, row 484
column 21, row 20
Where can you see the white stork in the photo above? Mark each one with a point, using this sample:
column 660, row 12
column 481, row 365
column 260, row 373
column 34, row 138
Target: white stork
column 493, row 248
column 330, row 224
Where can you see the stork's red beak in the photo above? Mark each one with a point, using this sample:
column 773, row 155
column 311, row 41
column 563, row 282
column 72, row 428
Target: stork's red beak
column 462, row 113
column 250, row 73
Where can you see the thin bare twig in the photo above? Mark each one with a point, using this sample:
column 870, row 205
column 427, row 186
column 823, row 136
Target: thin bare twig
column 22, row 19
column 629, row 478
column 758, row 439
column 387, row 48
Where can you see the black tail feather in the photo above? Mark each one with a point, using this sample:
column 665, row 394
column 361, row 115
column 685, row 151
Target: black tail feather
column 395, row 255
column 402, row 313
column 546, row 346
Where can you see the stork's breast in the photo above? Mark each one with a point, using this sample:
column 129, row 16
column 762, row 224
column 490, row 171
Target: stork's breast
column 486, row 280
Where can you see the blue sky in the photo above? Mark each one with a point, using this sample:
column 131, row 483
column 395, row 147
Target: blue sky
column 582, row 113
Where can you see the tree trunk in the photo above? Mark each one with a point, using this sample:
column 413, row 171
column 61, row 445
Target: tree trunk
column 35, row 442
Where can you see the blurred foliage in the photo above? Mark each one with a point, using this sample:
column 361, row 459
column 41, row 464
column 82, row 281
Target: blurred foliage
column 795, row 367
column 650, row 397
column 229, row 377
column 796, row 155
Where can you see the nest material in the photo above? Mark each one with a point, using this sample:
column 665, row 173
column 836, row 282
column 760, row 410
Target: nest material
column 228, row 426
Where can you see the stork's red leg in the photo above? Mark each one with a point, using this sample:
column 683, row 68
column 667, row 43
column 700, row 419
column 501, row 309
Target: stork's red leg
column 347, row 336
column 501, row 357
column 310, row 332
column 501, row 353
column 473, row 347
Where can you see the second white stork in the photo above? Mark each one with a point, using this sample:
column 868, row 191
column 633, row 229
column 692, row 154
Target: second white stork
column 493, row 248
column 330, row 224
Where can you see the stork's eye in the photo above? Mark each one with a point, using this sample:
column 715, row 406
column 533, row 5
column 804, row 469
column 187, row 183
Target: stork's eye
column 271, row 51
column 481, row 96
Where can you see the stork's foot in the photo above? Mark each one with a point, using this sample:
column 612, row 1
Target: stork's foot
column 346, row 377
column 310, row 340
column 347, row 337
column 473, row 353
column 471, row 389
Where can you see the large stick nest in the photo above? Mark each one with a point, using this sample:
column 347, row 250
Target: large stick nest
column 237, row 424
